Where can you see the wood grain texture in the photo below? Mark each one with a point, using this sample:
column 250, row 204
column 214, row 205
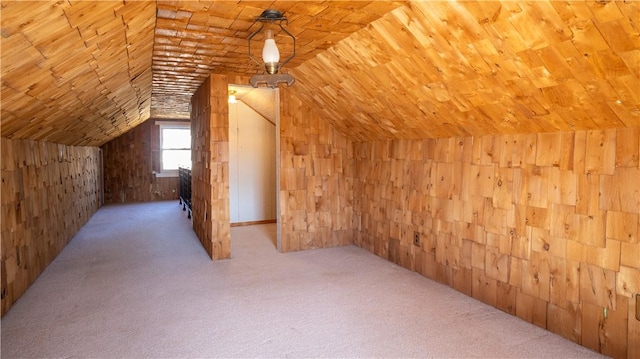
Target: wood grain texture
column 505, row 133
column 210, row 166
column 76, row 73
column 86, row 72
column 433, row 69
column 129, row 165
column 196, row 38
column 607, row 331
column 48, row 192
column 316, row 191
column 316, row 198
column 543, row 236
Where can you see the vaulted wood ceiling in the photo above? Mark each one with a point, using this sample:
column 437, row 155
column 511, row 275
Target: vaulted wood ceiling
column 84, row 72
column 444, row 69
column 194, row 39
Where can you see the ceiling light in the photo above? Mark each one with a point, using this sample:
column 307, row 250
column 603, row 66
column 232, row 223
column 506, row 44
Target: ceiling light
column 270, row 52
column 232, row 96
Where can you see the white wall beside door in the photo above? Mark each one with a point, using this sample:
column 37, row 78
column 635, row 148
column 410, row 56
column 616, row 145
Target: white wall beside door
column 252, row 165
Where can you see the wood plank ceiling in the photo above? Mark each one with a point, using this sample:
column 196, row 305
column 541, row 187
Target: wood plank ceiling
column 84, row 72
column 445, row 69
column 194, row 39
column 75, row 73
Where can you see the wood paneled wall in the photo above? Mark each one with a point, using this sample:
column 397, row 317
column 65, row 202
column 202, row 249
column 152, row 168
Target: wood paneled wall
column 316, row 179
column 48, row 192
column 210, row 166
column 316, row 173
column 129, row 162
column 544, row 227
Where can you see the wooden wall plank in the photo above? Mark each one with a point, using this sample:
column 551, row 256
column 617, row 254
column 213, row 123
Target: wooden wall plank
column 129, row 165
column 44, row 204
column 622, row 226
column 607, row 257
column 598, row 286
column 531, row 309
column 627, row 147
column 316, row 175
column 628, row 282
column 619, row 192
column 629, row 254
column 210, row 167
column 606, row 330
column 316, row 199
column 484, row 288
column 496, row 264
column 565, row 322
column 556, row 247
column 590, row 229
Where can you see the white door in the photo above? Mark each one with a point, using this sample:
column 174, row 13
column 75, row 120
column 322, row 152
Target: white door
column 252, row 165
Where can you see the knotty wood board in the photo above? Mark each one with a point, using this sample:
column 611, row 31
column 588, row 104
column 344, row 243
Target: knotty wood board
column 76, row 73
column 562, row 239
column 501, row 71
column 86, row 72
column 316, row 186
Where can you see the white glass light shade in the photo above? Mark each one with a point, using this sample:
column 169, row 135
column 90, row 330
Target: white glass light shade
column 270, row 53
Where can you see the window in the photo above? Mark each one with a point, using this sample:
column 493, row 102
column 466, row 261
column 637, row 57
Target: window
column 175, row 147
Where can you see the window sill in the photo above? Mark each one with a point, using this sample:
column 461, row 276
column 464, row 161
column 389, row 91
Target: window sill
column 166, row 174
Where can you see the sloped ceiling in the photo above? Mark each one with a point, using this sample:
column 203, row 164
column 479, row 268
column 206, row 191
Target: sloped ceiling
column 443, row 69
column 75, row 73
column 84, row 72
column 262, row 100
column 194, row 39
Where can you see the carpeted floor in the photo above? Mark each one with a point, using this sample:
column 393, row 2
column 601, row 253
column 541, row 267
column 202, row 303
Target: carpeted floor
column 135, row 283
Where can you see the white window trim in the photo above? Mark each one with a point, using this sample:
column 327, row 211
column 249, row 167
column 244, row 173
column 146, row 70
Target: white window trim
column 168, row 125
column 167, row 173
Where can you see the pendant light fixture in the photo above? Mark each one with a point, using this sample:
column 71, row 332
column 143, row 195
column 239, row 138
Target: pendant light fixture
column 271, row 75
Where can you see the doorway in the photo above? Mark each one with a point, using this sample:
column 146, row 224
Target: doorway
column 253, row 148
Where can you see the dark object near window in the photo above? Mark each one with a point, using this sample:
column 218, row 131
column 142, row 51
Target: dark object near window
column 184, row 175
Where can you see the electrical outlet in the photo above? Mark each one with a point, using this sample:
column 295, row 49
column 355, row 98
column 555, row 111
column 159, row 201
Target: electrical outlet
column 416, row 238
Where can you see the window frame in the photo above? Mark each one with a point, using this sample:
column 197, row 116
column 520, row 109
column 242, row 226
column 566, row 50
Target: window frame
column 164, row 125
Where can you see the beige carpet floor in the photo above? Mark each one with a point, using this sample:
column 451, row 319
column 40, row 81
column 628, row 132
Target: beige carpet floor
column 135, row 283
